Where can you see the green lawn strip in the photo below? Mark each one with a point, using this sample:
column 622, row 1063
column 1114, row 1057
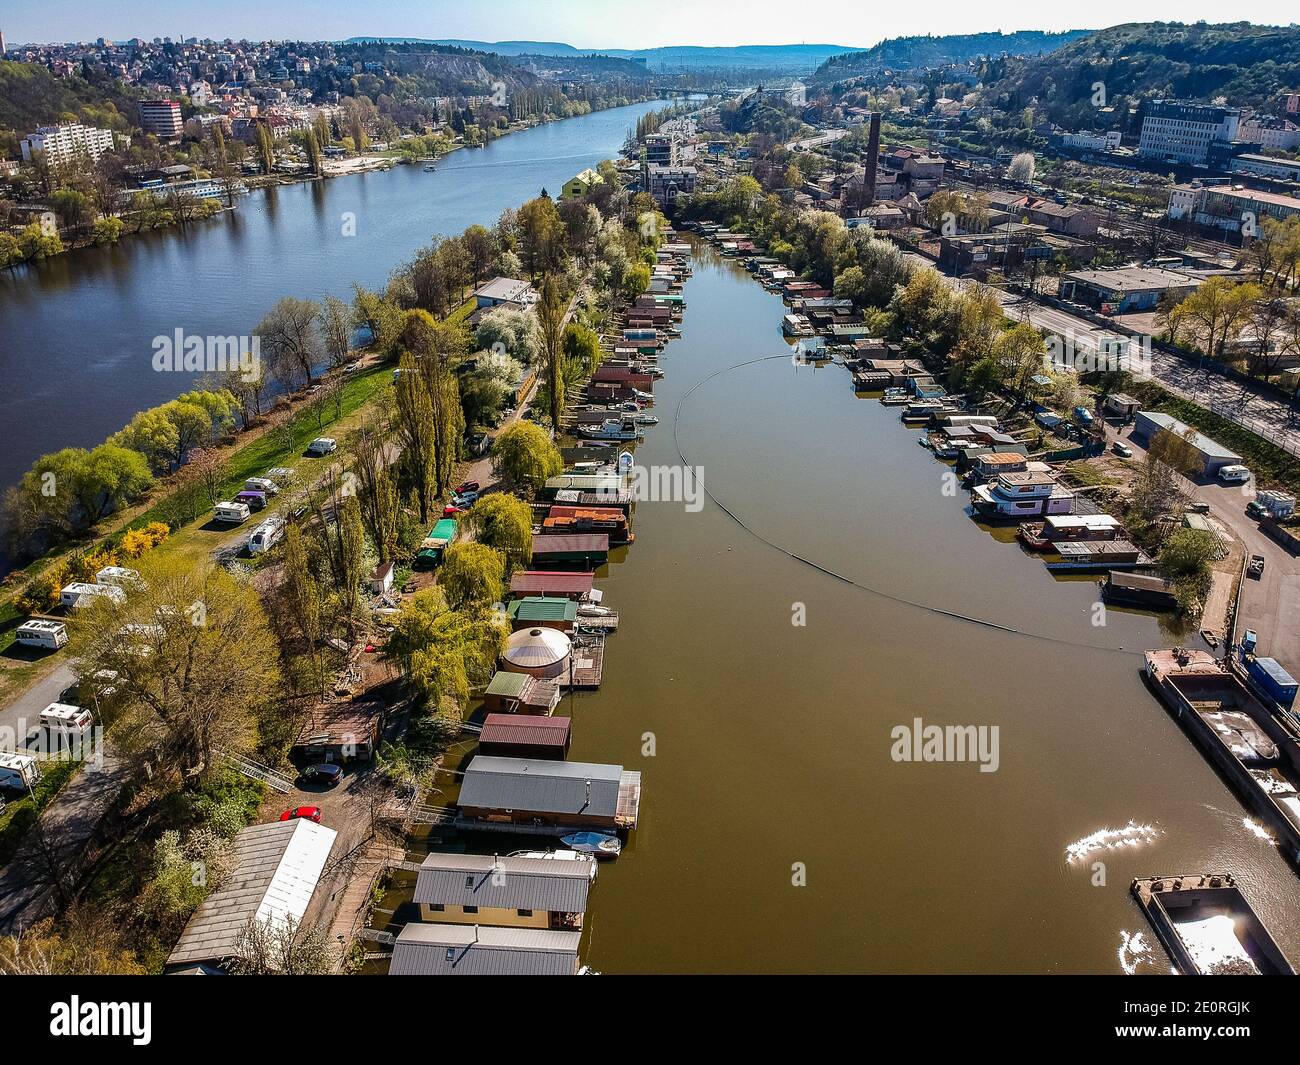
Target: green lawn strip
column 20, row 813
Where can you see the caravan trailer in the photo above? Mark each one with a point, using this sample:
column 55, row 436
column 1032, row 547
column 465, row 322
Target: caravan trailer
column 18, row 772
column 261, row 484
column 119, row 575
column 78, row 594
column 65, row 722
column 230, row 513
column 40, row 632
column 266, row 536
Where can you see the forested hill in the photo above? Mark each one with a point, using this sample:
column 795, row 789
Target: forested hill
column 1246, row 64
column 908, row 53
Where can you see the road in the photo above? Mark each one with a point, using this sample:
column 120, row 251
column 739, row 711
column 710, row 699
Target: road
column 20, row 718
column 818, row 140
column 1261, row 414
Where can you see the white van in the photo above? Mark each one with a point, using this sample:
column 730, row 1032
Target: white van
column 1234, row 474
column 261, row 484
column 18, row 772
column 322, row 445
column 231, row 513
column 280, row 474
column 38, row 632
column 63, row 720
column 78, row 594
column 266, row 536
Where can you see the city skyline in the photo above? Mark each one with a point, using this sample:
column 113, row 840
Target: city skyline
column 584, row 24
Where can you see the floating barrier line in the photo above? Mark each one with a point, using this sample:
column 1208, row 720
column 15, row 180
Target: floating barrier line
column 891, row 597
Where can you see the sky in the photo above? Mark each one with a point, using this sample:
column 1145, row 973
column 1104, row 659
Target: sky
column 593, row 23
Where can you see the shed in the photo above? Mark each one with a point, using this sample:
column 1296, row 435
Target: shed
column 542, row 582
column 472, row 950
column 275, row 871
column 520, row 693
column 1211, row 456
column 524, row 736
column 544, row 611
column 381, row 578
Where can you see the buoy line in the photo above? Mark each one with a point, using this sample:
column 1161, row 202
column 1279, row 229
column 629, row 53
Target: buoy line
column 869, row 589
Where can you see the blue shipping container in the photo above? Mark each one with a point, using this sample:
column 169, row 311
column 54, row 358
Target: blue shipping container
column 1270, row 676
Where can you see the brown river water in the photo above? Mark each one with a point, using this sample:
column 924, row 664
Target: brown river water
column 777, row 833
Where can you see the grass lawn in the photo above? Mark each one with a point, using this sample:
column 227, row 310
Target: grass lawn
column 19, row 814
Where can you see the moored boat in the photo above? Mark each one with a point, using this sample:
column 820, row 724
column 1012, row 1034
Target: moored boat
column 597, row 843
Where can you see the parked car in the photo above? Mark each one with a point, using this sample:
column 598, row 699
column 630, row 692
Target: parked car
column 464, row 499
column 1255, row 509
column 451, row 510
column 468, row 486
column 1234, row 474
column 322, row 445
column 307, row 813
column 325, row 773
column 1256, row 567
column 1199, row 507
column 1122, row 449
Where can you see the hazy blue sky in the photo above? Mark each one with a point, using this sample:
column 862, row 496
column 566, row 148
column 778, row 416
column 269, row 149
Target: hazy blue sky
column 592, row 23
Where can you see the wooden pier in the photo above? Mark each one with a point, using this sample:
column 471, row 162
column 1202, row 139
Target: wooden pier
column 588, row 662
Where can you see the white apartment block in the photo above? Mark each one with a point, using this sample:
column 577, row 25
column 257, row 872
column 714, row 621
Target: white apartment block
column 1092, row 142
column 1274, row 133
column 162, row 117
column 1184, row 132
column 65, row 144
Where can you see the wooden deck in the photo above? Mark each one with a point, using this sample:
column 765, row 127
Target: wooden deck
column 588, row 662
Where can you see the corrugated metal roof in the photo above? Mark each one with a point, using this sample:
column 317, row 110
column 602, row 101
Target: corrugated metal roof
column 545, row 787
column 543, row 608
column 473, row 950
column 516, row 728
column 506, row 883
column 567, row 542
column 276, row 868
column 533, row 582
column 508, row 684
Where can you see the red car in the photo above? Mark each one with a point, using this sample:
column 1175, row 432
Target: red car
column 468, row 486
column 311, row 813
column 450, row 511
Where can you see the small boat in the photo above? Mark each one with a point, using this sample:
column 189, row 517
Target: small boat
column 597, row 843
column 429, row 168
column 645, row 419
column 895, row 397
column 591, row 610
column 566, row 856
column 1031, row 535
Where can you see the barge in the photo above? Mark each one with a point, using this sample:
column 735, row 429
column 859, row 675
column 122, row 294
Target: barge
column 1255, row 749
column 1209, row 927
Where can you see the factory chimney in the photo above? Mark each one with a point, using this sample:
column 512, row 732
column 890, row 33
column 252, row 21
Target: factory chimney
column 873, row 161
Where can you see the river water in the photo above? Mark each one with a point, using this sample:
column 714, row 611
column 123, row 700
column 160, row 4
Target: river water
column 76, row 331
column 772, row 741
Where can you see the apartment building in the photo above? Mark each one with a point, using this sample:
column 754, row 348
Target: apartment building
column 1230, row 207
column 161, row 117
column 67, row 143
column 1184, row 132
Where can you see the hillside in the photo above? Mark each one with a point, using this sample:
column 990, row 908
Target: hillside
column 1246, row 64
column 31, row 96
column 908, row 53
column 772, row 58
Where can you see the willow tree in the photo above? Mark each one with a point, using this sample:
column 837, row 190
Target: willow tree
column 195, row 663
column 505, row 522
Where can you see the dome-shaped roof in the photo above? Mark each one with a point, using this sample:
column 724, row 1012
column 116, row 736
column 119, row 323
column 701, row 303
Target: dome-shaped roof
column 536, row 648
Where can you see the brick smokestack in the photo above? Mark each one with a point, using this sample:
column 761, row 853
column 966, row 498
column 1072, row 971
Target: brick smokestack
column 873, row 161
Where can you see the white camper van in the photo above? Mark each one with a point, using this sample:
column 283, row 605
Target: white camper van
column 79, row 594
column 18, row 772
column 261, row 484
column 38, row 632
column 1234, row 474
column 266, row 536
column 322, row 445
column 231, row 513
column 65, row 721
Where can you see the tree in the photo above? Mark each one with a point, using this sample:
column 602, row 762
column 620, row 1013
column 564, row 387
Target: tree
column 290, row 341
column 1157, row 489
column 543, row 235
column 85, row 941
column 284, row 947
column 265, row 147
column 380, row 317
column 444, row 652
column 510, row 332
column 504, row 522
column 1021, row 168
column 1185, row 560
column 552, row 312
column 472, row 574
column 194, row 658
column 302, row 595
column 1214, row 314
column 525, row 455
column 336, row 329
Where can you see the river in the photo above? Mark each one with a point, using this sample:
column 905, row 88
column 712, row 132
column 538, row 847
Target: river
column 772, row 741
column 78, row 329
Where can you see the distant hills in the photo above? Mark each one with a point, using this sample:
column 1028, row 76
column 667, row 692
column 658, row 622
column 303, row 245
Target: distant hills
column 773, row 58
column 908, row 53
column 1245, row 63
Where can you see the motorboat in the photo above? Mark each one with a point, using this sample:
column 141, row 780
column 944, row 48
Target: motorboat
column 597, row 843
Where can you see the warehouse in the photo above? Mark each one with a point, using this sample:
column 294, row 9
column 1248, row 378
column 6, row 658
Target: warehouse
column 1211, row 457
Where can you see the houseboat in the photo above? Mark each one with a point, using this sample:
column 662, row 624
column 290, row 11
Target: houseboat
column 1209, row 927
column 1256, row 749
column 1146, row 590
column 796, row 325
column 611, row 520
column 610, row 429
column 896, row 397
column 585, row 551
column 1072, row 528
column 1014, row 494
column 547, row 797
column 1097, row 555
